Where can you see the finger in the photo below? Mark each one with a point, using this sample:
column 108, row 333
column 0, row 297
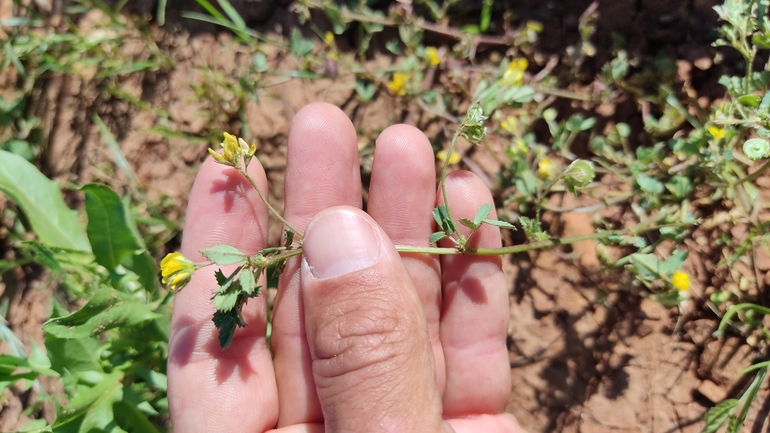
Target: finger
column 474, row 319
column 208, row 385
column 502, row 423
column 322, row 170
column 372, row 362
column 402, row 195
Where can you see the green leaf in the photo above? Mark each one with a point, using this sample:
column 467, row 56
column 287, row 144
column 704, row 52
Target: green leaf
column 143, row 265
column 750, row 100
column 41, row 200
column 647, row 266
column 482, row 213
column 247, row 281
column 717, row 415
column 108, row 230
column 224, row 254
column 435, row 237
column 468, row 223
column 676, row 261
column 107, row 309
column 498, row 223
column 649, row 184
column 226, row 322
column 130, row 418
column 91, row 407
column 680, row 186
column 73, row 355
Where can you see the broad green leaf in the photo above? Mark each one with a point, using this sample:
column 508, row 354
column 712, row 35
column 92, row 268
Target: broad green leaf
column 107, row 309
column 143, row 265
column 680, row 186
column 649, row 184
column 90, row 407
column 73, row 355
column 223, row 254
column 128, row 416
column 108, row 230
column 41, row 200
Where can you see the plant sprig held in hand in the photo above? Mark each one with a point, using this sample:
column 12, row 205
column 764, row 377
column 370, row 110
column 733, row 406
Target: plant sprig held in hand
column 235, row 289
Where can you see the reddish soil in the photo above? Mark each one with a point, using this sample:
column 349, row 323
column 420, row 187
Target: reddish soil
column 588, row 352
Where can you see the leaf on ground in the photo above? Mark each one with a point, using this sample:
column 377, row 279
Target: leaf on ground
column 55, row 224
column 107, row 309
column 108, row 230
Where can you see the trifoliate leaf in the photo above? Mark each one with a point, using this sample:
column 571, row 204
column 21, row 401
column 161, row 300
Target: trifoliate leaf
column 223, row 254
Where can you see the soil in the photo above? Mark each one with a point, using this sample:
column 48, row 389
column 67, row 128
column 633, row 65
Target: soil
column 588, row 352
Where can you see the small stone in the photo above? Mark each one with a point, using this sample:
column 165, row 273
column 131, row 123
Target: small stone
column 712, row 391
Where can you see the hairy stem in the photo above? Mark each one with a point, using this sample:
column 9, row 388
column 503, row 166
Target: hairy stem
column 269, row 206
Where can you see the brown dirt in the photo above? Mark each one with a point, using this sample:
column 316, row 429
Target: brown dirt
column 587, row 352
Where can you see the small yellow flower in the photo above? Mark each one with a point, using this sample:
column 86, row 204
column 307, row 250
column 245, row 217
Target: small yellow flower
column 397, row 85
column 534, row 26
column 235, row 149
column 176, row 271
column 514, row 74
column 509, row 124
column 454, row 158
column 716, row 132
column 545, row 168
column 681, row 281
column 329, row 39
column 517, row 149
column 431, row 55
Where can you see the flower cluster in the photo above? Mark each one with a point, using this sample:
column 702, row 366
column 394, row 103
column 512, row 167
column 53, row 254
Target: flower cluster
column 176, row 271
column 397, row 85
column 514, row 74
column 235, row 151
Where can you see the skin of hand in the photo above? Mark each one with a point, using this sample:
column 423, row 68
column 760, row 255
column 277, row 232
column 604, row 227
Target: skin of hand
column 363, row 339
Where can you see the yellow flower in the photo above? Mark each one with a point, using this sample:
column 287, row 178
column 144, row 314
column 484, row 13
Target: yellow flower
column 514, row 74
column 545, row 168
column 397, row 85
column 534, row 26
column 517, row 149
column 431, row 55
column 681, row 281
column 329, row 38
column 509, row 124
column 716, row 132
column 235, row 149
column 454, row 158
column 176, row 271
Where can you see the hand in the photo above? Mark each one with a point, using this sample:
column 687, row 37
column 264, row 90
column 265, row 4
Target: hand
column 363, row 340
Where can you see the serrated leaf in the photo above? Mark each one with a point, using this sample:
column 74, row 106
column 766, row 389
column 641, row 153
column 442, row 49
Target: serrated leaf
column 226, row 301
column 482, row 213
column 225, row 282
column 468, row 223
column 224, row 254
column 435, row 237
column 717, row 415
column 108, row 231
column 41, row 200
column 226, row 322
column 248, row 283
column 107, row 309
column 498, row 223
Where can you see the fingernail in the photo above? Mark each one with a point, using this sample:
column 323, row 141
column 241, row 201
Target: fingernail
column 339, row 242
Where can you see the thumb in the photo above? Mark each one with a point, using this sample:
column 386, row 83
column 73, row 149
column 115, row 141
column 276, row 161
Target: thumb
column 372, row 361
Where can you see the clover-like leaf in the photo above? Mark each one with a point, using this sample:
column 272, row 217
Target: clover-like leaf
column 223, row 254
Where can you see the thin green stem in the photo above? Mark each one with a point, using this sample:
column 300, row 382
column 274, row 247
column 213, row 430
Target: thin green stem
column 444, row 170
column 269, row 206
column 751, row 177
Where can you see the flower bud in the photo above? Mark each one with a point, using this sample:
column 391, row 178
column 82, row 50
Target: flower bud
column 756, row 148
column 578, row 175
column 176, row 271
column 472, row 128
